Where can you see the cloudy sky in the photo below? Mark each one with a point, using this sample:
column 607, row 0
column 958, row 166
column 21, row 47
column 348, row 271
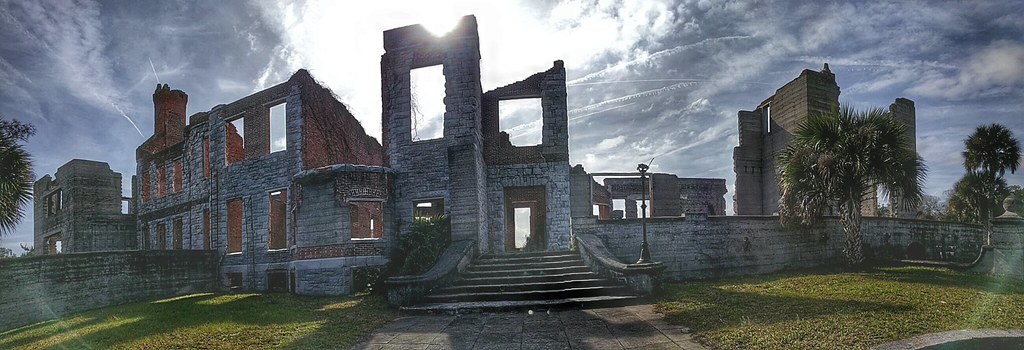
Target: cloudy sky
column 647, row 79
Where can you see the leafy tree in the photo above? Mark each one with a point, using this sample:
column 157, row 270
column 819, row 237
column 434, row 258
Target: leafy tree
column 6, row 253
column 932, row 208
column 28, row 250
column 988, row 153
column 836, row 160
column 15, row 173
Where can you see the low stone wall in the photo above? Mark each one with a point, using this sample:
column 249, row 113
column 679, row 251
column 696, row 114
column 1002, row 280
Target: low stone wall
column 45, row 287
column 699, row 246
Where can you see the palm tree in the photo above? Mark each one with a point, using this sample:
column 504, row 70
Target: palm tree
column 989, row 152
column 969, row 200
column 837, row 159
column 15, row 173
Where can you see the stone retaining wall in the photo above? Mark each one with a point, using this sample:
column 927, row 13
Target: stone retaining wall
column 45, row 287
column 705, row 247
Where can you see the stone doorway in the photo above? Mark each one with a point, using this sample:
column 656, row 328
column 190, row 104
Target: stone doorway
column 525, row 219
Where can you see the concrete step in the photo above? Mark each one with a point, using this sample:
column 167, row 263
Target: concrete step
column 527, row 279
column 580, row 292
column 523, row 305
column 528, row 254
column 525, row 265
column 518, row 287
column 527, row 259
column 525, row 272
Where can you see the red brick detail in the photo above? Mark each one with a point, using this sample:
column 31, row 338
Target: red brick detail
column 161, row 181
column 338, row 250
column 206, row 156
column 277, row 237
column 176, row 179
column 366, row 219
column 235, row 146
column 235, row 209
column 145, row 186
column 331, row 135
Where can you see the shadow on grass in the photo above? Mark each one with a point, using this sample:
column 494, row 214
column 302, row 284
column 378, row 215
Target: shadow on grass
column 948, row 278
column 187, row 322
column 708, row 307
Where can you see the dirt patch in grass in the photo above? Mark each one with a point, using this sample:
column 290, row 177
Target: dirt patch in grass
column 841, row 310
column 212, row 321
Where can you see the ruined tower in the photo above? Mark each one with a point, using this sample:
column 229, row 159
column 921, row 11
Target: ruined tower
column 768, row 129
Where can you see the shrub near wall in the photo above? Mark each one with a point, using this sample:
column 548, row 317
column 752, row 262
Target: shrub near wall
column 699, row 246
column 40, row 288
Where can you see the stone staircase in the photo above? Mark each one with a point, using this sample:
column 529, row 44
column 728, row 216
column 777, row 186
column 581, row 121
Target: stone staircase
column 526, row 281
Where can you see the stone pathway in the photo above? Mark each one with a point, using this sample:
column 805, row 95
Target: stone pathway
column 630, row 327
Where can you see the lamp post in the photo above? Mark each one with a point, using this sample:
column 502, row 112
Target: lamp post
column 645, row 254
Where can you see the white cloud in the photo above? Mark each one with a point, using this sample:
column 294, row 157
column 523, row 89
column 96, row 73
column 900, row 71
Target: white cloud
column 996, row 68
column 610, row 143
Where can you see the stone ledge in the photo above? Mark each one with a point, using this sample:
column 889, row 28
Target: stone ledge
column 644, row 279
column 406, row 290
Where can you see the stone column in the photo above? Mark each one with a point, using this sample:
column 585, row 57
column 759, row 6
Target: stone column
column 1008, row 241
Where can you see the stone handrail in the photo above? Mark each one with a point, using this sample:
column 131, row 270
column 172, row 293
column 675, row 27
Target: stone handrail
column 644, row 279
column 406, row 290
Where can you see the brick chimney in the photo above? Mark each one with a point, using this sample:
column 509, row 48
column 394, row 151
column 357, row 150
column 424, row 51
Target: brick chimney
column 169, row 127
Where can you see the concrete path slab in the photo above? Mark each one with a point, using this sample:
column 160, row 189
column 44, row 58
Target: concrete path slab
column 629, row 327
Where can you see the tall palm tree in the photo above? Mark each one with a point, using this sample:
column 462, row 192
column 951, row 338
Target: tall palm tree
column 15, row 173
column 989, row 152
column 837, row 159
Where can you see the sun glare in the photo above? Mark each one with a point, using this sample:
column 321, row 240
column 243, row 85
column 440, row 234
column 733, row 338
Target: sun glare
column 440, row 25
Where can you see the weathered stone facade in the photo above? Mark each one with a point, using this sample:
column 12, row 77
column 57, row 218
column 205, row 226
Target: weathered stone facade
column 669, row 196
column 80, row 210
column 768, row 129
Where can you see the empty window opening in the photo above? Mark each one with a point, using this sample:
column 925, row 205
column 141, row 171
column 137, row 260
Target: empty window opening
column 618, row 204
column 278, row 128
column 768, row 117
column 597, row 210
column 206, row 156
column 161, row 181
column 54, row 244
column 54, row 202
column 365, row 216
column 235, row 225
column 276, row 232
column 126, row 205
column 145, row 237
column 427, row 102
column 522, row 227
column 522, row 120
column 235, row 141
column 427, row 209
column 277, row 281
column 234, row 280
column 177, row 228
column 176, row 179
column 206, row 228
column 161, row 236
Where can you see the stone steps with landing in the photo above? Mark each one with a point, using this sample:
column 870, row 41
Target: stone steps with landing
column 526, row 281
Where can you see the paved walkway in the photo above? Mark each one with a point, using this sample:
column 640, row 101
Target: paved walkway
column 630, row 327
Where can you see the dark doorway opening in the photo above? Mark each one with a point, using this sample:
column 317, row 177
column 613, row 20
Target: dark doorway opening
column 525, row 219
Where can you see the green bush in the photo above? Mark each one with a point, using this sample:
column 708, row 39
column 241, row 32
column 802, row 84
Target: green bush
column 418, row 250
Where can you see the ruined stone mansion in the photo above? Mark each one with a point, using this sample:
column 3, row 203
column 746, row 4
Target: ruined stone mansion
column 303, row 214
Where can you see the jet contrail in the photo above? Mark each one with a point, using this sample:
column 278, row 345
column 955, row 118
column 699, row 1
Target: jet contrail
column 655, row 81
column 653, row 56
column 647, row 93
column 129, row 119
column 601, row 111
column 154, row 74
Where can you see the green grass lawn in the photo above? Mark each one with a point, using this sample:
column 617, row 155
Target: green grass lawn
column 212, row 321
column 841, row 310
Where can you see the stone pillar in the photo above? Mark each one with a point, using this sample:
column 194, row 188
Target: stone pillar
column 1007, row 246
column 631, row 212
